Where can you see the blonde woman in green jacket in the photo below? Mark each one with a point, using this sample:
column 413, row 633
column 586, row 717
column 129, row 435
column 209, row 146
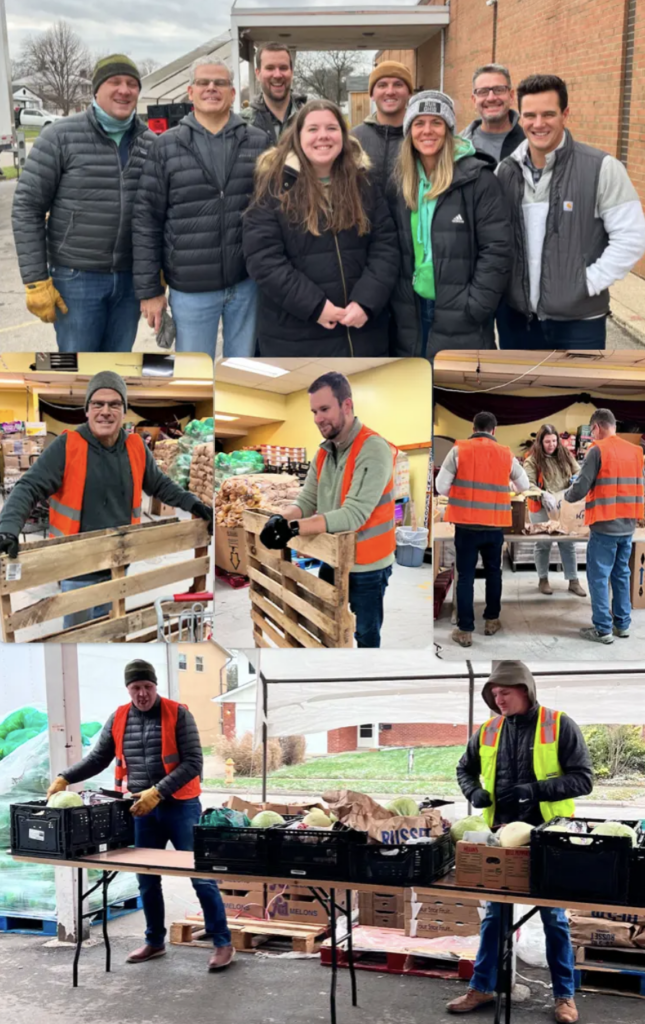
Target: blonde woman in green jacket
column 550, row 466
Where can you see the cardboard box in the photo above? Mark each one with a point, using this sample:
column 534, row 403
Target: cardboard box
column 437, row 929
column 240, row 898
column 250, row 808
column 159, row 508
column 298, row 905
column 24, row 462
column 637, row 569
column 632, row 438
column 428, row 912
column 492, row 867
column 230, row 549
column 589, row 931
column 11, row 462
column 380, row 918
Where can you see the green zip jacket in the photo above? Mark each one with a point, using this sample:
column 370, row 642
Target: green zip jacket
column 372, row 471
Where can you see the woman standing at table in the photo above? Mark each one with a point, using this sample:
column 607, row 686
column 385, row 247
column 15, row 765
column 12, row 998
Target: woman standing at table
column 550, row 466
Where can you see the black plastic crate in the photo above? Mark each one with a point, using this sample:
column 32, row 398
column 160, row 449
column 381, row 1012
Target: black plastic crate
column 231, row 850
column 67, row 832
column 402, row 864
column 596, row 871
column 313, row 853
column 637, row 873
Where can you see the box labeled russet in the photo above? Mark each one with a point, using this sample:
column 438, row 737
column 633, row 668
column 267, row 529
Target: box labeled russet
column 492, row 867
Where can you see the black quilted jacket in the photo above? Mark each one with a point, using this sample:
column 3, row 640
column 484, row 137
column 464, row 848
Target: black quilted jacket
column 74, row 174
column 142, row 752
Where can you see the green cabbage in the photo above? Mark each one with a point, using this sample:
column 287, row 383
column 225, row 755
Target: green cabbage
column 403, row 806
column 65, row 799
column 265, row 819
column 615, row 828
column 472, row 824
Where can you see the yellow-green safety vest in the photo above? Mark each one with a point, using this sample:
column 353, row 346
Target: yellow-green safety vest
column 545, row 761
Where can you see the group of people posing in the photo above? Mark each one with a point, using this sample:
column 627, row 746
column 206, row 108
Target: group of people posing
column 401, row 237
column 477, row 477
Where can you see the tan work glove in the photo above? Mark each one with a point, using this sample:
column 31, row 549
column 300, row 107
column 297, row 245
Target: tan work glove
column 145, row 802
column 43, row 298
column 57, row 786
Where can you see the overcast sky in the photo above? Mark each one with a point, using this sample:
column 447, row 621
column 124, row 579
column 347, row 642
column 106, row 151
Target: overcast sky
column 162, row 29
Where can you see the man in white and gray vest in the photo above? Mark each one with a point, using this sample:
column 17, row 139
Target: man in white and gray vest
column 578, row 227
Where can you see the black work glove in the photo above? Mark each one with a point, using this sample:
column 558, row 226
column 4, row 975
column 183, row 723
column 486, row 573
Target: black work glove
column 479, row 798
column 521, row 798
column 277, row 533
column 9, row 545
column 204, row 512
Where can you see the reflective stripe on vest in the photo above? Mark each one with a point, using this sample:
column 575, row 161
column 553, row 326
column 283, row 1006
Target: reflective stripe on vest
column 618, row 490
column 480, row 494
column 545, row 761
column 169, row 752
column 376, row 538
column 66, row 505
column 535, row 504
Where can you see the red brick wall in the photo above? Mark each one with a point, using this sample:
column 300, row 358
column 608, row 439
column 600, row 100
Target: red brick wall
column 228, row 722
column 636, row 154
column 339, row 741
column 423, row 735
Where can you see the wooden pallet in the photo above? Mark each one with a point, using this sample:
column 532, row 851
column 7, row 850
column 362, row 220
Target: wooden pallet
column 248, row 935
column 611, row 970
column 389, row 951
column 291, row 607
column 52, row 560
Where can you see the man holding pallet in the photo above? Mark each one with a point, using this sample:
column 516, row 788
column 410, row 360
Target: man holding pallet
column 158, row 759
column 527, row 763
column 94, row 478
column 349, row 487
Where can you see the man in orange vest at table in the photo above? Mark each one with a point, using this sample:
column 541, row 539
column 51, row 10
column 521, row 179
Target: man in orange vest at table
column 158, row 759
column 477, row 476
column 93, row 478
column 611, row 480
column 349, row 487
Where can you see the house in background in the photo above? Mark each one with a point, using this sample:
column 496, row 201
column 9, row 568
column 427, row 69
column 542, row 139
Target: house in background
column 24, row 97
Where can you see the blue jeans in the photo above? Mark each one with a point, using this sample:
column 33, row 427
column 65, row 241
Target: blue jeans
column 427, row 320
column 608, row 559
column 172, row 821
column 559, row 952
column 197, row 316
column 567, row 554
column 103, row 311
column 517, row 331
column 469, row 544
column 78, row 618
column 366, row 593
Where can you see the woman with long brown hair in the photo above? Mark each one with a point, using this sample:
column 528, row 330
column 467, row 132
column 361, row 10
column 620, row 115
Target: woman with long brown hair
column 550, row 466
column 320, row 243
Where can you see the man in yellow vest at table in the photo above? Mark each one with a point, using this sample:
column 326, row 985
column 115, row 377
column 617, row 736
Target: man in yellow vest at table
column 526, row 763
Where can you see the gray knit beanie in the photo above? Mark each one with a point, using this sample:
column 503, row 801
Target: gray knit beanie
column 106, row 379
column 140, row 671
column 430, row 102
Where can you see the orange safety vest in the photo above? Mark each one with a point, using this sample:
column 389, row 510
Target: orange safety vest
column 479, row 494
column 65, row 506
column 535, row 504
column 169, row 752
column 618, row 490
column 376, row 538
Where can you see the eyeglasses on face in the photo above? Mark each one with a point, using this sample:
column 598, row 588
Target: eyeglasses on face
column 497, row 90
column 217, row 83
column 112, row 406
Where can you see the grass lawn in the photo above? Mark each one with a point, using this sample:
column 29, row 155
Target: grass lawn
column 386, row 772
column 9, row 172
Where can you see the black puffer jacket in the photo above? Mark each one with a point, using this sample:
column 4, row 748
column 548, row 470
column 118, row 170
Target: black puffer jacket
column 188, row 211
column 515, row 754
column 382, row 143
column 297, row 272
column 471, row 253
column 142, row 752
column 74, row 174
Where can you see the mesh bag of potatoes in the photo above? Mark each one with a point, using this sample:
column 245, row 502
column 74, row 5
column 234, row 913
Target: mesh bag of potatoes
column 201, row 472
column 234, row 496
column 165, row 453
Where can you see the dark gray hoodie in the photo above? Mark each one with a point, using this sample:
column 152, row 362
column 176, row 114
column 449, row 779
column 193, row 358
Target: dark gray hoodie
column 515, row 754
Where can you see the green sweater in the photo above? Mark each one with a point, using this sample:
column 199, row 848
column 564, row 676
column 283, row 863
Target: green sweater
column 372, row 471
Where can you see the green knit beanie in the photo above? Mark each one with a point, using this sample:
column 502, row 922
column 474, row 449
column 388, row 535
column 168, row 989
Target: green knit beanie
column 108, row 67
column 140, row 671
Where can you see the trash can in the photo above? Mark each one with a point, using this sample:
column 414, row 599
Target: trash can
column 410, row 545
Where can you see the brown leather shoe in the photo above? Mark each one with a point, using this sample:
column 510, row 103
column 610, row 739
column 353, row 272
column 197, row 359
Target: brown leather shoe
column 576, row 588
column 473, row 1000
column 462, row 638
column 221, row 958
column 544, row 586
column 565, row 1011
column 492, row 626
column 139, row 956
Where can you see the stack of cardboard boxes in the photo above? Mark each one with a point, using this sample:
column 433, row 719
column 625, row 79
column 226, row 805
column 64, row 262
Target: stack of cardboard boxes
column 431, row 917
column 492, row 867
column 278, row 455
column 381, row 910
column 20, row 449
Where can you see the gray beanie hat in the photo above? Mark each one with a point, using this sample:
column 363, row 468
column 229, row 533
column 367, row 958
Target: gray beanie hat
column 430, row 102
column 106, row 379
column 140, row 671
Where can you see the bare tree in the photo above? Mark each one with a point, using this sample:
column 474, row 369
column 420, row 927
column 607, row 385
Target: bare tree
column 58, row 62
column 324, row 74
column 147, row 65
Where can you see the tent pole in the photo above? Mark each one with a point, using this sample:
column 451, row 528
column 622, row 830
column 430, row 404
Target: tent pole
column 265, row 734
column 471, row 709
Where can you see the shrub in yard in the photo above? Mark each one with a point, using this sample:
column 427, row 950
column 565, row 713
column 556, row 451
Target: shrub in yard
column 293, row 749
column 615, row 749
column 247, row 760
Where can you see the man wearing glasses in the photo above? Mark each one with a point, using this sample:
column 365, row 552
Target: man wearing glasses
column 496, row 131
column 94, row 478
column 187, row 221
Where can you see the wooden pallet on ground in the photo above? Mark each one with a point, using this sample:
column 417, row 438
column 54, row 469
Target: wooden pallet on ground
column 611, row 970
column 53, row 560
column 247, row 935
column 390, row 951
column 291, row 607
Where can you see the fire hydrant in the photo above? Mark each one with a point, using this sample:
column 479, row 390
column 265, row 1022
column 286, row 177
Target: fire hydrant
column 229, row 771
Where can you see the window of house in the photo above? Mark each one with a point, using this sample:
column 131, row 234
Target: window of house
column 199, row 663
column 366, row 732
column 182, row 663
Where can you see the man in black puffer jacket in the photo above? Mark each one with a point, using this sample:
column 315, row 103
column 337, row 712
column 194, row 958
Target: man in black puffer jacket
column 195, row 186
column 72, row 212
column 527, row 763
column 381, row 133
column 158, row 759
